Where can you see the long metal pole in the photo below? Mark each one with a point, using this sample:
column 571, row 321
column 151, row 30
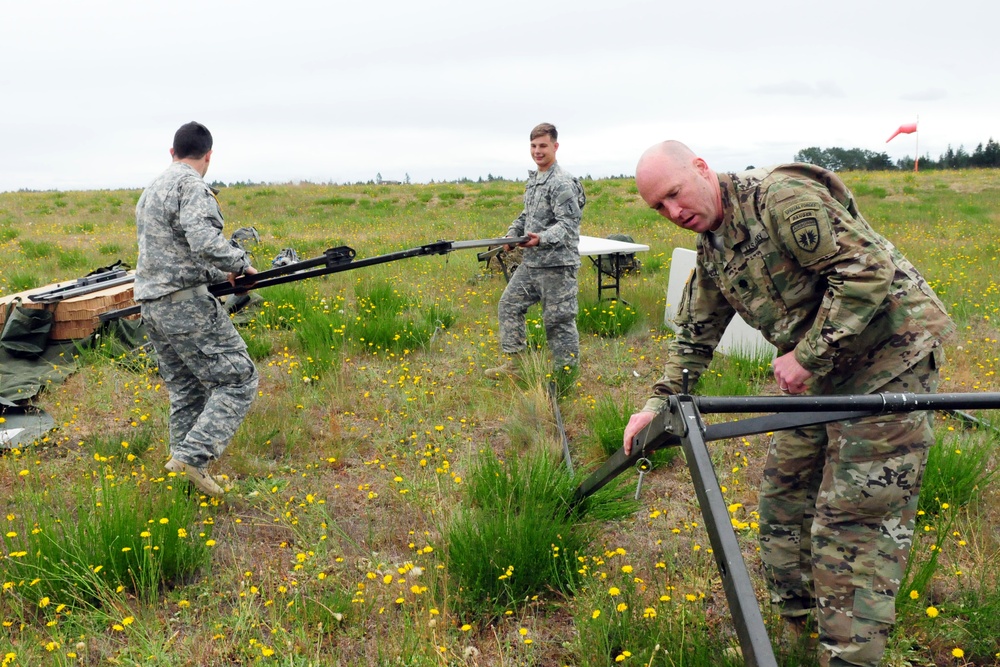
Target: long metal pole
column 888, row 402
column 334, row 260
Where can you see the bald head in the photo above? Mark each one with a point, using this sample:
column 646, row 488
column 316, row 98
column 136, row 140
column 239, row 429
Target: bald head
column 666, row 155
column 680, row 186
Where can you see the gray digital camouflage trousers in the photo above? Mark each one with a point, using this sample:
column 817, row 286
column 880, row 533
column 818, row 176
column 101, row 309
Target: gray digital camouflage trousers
column 556, row 288
column 210, row 377
column 837, row 510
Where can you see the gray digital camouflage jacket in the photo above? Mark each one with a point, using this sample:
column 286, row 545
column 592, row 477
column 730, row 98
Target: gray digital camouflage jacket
column 181, row 245
column 552, row 203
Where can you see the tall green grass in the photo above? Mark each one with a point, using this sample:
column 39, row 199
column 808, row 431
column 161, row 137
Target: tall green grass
column 37, row 249
column 389, row 319
column 959, row 468
column 71, row 543
column 736, row 373
column 22, row 280
column 958, row 473
column 609, row 318
column 518, row 536
column 381, row 319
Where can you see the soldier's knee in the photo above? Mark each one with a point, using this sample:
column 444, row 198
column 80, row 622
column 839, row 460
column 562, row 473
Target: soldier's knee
column 561, row 321
column 512, row 309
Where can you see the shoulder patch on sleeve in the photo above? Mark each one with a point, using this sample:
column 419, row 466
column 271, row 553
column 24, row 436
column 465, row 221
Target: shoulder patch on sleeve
column 807, row 230
column 565, row 191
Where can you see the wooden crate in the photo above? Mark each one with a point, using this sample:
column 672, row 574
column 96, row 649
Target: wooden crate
column 77, row 317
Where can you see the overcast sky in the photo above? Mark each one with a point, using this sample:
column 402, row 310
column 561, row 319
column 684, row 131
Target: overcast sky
column 92, row 92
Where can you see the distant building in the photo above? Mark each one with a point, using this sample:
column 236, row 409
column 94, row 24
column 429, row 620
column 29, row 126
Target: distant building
column 381, row 181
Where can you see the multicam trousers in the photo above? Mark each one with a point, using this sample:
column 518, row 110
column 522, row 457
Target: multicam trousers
column 210, row 377
column 556, row 288
column 837, row 507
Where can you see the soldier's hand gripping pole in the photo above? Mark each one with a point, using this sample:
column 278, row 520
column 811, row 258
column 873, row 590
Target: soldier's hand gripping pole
column 657, row 435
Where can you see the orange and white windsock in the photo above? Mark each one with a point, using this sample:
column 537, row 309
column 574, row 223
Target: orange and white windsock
column 909, row 128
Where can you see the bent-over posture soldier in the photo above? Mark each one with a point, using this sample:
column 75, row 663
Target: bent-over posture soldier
column 788, row 250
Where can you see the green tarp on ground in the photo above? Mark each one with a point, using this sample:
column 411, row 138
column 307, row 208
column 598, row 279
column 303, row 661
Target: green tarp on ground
column 22, row 379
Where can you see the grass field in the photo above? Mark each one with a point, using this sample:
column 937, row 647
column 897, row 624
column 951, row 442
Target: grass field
column 391, row 506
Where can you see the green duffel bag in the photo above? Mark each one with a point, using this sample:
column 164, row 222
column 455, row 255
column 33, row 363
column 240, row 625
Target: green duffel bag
column 26, row 330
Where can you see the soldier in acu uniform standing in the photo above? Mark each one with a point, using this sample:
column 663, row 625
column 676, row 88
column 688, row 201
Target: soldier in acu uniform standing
column 202, row 358
column 788, row 250
column 553, row 199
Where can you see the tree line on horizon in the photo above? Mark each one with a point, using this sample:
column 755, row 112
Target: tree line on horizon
column 858, row 159
column 835, row 159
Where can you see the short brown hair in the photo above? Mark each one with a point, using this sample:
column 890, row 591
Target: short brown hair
column 545, row 128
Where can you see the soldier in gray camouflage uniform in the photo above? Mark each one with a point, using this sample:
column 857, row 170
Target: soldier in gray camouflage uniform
column 547, row 273
column 788, row 250
column 202, row 358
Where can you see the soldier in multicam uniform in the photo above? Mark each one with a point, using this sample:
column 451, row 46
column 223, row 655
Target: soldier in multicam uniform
column 202, row 358
column 788, row 250
column 547, row 273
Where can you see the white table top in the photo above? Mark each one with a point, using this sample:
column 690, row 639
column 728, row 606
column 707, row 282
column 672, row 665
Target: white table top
column 593, row 245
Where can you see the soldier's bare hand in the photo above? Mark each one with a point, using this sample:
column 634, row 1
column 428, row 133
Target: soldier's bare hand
column 790, row 374
column 249, row 272
column 532, row 241
column 636, row 423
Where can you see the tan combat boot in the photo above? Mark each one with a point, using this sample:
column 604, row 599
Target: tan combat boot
column 507, row 368
column 197, row 476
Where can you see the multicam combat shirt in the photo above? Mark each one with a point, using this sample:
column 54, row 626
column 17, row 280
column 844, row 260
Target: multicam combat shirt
column 181, row 244
column 797, row 260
